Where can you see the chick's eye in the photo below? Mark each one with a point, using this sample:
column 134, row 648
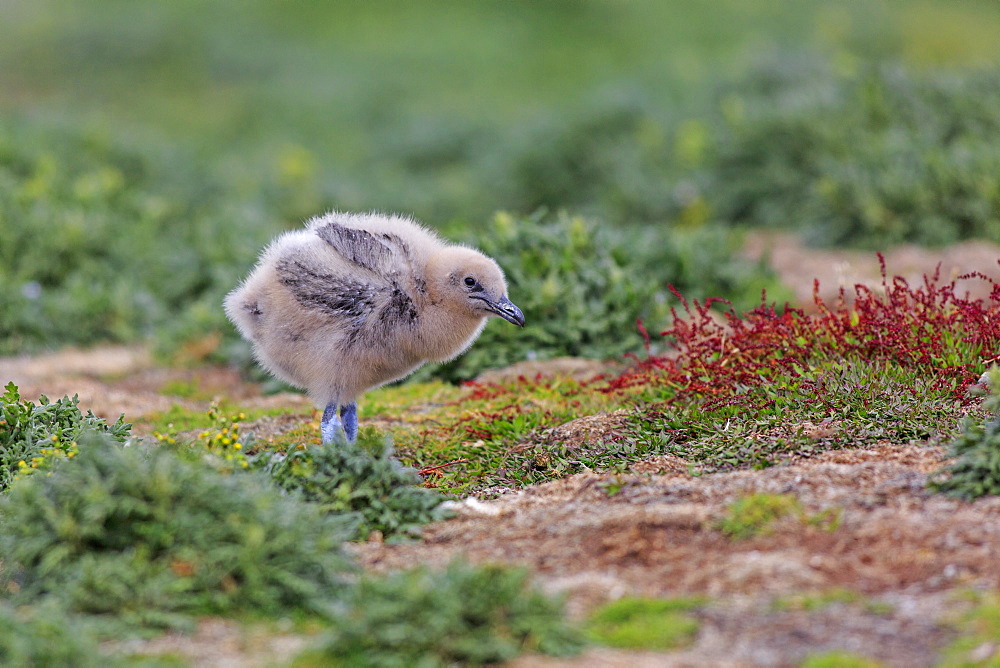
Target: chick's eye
column 470, row 281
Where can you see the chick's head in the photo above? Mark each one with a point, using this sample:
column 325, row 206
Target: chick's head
column 470, row 283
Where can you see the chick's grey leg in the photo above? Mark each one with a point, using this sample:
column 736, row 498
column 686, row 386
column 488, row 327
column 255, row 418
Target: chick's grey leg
column 349, row 416
column 330, row 425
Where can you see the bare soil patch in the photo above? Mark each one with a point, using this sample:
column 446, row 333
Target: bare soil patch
column 798, row 266
column 116, row 380
column 895, row 544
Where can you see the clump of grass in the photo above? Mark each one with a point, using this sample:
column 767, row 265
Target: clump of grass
column 838, row 659
column 976, row 469
column 753, row 515
column 148, row 538
column 644, row 623
column 978, row 630
column 813, row 601
column 361, row 481
column 44, row 636
column 33, row 436
column 462, row 615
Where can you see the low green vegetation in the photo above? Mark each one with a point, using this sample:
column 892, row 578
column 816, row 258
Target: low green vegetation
column 33, row 436
column 818, row 600
column 792, row 410
column 139, row 535
column 978, row 631
column 493, row 437
column 753, row 515
column 839, row 659
column 107, row 209
column 84, row 263
column 224, row 413
column 460, row 615
column 362, row 482
column 871, row 155
column 644, row 623
column 44, row 636
column 975, row 471
column 117, row 540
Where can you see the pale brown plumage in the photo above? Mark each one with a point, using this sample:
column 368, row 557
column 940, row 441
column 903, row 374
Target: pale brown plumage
column 358, row 300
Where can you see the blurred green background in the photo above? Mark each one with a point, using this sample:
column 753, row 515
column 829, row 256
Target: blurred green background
column 149, row 149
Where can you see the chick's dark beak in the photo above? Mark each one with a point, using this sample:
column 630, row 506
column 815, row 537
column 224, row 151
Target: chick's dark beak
column 506, row 309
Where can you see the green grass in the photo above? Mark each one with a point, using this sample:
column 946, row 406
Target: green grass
column 500, row 431
column 978, row 628
column 182, row 419
column 495, row 432
column 813, row 601
column 871, row 158
column 839, row 659
column 644, row 623
column 790, row 412
column 754, row 514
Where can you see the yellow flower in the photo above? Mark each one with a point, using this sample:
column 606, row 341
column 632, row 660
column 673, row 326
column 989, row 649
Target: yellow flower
column 21, row 464
column 237, row 446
